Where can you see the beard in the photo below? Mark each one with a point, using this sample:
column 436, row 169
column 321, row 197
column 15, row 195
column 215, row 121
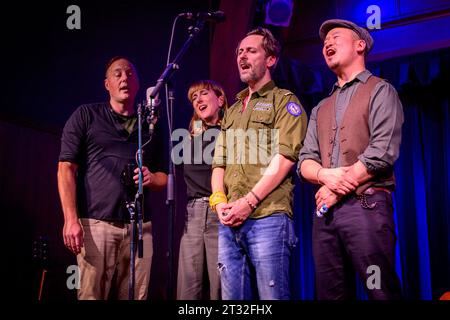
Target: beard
column 253, row 75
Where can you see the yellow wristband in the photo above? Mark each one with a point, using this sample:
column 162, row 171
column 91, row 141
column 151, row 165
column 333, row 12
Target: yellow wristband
column 216, row 198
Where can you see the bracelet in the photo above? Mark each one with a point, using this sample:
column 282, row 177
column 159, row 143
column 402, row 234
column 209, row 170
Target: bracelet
column 216, row 198
column 317, row 176
column 251, row 205
column 256, row 197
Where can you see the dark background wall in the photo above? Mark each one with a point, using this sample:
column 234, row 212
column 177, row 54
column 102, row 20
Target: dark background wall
column 48, row 70
column 407, row 26
column 52, row 69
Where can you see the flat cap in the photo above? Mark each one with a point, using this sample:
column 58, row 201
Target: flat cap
column 362, row 33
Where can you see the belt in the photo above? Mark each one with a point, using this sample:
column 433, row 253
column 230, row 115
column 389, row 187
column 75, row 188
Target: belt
column 372, row 190
column 204, row 199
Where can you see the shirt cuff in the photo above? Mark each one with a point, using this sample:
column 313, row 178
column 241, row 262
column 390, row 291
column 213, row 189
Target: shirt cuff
column 218, row 165
column 288, row 153
column 65, row 158
column 374, row 166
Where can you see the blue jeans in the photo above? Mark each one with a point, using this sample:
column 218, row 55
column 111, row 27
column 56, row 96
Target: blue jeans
column 254, row 258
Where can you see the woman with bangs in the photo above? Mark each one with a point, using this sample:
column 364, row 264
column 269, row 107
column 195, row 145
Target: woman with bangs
column 197, row 264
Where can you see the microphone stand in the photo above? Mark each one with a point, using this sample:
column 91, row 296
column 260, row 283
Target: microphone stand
column 171, row 67
column 136, row 208
column 170, row 202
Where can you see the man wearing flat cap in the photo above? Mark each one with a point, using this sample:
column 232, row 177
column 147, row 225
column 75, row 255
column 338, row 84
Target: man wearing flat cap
column 352, row 142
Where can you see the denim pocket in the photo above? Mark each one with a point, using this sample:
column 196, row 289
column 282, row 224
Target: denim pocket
column 289, row 236
column 383, row 203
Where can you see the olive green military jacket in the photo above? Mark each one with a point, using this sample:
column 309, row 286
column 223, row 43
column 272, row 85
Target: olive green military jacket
column 274, row 122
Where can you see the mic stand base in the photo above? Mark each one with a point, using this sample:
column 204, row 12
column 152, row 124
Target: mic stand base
column 131, row 280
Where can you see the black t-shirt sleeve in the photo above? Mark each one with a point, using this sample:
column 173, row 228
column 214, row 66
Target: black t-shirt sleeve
column 73, row 136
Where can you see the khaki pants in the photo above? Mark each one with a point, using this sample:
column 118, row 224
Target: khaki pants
column 198, row 253
column 104, row 261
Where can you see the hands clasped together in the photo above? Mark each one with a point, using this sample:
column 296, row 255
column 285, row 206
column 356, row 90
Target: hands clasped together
column 233, row 214
column 337, row 182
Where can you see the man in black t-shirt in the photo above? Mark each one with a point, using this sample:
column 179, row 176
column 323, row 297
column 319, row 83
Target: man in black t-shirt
column 98, row 142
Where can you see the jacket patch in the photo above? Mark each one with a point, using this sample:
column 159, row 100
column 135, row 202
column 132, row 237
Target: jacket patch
column 294, row 109
column 263, row 106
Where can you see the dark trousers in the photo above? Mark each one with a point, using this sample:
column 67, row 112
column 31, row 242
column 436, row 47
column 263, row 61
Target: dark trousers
column 356, row 235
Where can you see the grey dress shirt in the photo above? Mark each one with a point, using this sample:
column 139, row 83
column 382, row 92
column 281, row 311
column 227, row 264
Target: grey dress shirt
column 385, row 123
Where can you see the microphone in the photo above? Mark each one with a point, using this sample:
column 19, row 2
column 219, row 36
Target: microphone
column 151, row 104
column 216, row 16
column 322, row 211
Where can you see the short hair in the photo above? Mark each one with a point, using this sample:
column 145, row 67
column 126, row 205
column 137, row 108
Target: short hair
column 112, row 60
column 269, row 43
column 209, row 85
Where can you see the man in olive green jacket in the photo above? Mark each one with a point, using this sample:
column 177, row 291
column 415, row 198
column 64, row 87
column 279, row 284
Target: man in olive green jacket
column 261, row 136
